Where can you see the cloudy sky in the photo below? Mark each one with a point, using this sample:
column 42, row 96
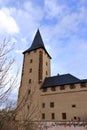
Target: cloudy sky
column 63, row 26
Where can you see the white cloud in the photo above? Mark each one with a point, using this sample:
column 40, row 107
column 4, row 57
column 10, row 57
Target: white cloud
column 7, row 22
column 54, row 10
column 19, row 51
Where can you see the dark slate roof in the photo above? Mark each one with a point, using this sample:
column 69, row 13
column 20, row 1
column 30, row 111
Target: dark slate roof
column 60, row 80
column 37, row 43
column 84, row 80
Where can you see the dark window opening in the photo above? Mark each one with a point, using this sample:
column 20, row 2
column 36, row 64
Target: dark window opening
column 52, row 104
column 29, row 81
column 30, row 70
column 75, row 118
column 28, row 92
column 46, row 63
column 62, row 87
column 53, row 116
column 44, row 90
column 73, row 105
column 83, row 85
column 43, row 105
column 43, row 115
column 28, row 107
column 53, row 89
column 31, row 60
column 63, row 115
column 72, row 86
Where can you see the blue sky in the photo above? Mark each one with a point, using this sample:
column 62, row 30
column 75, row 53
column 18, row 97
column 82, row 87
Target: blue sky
column 63, row 26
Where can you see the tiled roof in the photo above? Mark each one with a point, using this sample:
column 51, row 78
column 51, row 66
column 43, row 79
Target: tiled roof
column 60, row 80
column 37, row 43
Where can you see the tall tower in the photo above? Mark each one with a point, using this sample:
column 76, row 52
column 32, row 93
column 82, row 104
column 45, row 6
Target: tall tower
column 36, row 66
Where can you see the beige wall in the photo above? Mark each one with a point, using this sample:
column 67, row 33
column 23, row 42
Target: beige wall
column 30, row 103
column 63, row 101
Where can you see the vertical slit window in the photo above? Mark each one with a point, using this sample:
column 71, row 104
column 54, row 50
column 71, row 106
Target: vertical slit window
column 40, row 71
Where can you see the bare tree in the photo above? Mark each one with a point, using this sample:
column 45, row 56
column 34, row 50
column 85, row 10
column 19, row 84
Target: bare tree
column 7, row 82
column 27, row 112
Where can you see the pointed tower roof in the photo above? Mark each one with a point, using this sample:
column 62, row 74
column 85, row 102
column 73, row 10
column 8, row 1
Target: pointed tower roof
column 37, row 43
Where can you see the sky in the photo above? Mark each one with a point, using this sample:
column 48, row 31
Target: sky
column 63, row 27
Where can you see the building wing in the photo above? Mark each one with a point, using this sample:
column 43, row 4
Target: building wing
column 60, row 80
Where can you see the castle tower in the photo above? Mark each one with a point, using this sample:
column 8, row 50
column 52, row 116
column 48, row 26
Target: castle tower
column 36, row 66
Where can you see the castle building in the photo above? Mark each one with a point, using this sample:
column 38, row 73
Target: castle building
column 45, row 97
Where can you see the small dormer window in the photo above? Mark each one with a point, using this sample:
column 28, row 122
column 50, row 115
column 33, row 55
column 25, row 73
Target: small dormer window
column 53, row 89
column 62, row 87
column 44, row 90
column 72, row 86
column 83, row 85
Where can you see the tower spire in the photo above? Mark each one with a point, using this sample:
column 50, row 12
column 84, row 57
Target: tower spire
column 37, row 43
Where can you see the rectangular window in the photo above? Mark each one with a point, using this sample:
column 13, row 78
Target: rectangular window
column 46, row 64
column 63, row 115
column 28, row 91
column 62, row 87
column 40, row 69
column 28, row 107
column 43, row 115
column 31, row 60
column 53, row 89
column 29, row 81
column 73, row 105
column 83, row 85
column 53, row 116
column 72, row 86
column 52, row 104
column 30, row 70
column 43, row 105
column 44, row 90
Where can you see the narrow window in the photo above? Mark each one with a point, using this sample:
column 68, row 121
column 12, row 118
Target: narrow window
column 28, row 107
column 28, row 91
column 43, row 115
column 46, row 73
column 53, row 116
column 52, row 104
column 43, row 105
column 31, row 60
column 63, row 115
column 30, row 70
column 46, row 64
column 29, row 81
column 40, row 69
